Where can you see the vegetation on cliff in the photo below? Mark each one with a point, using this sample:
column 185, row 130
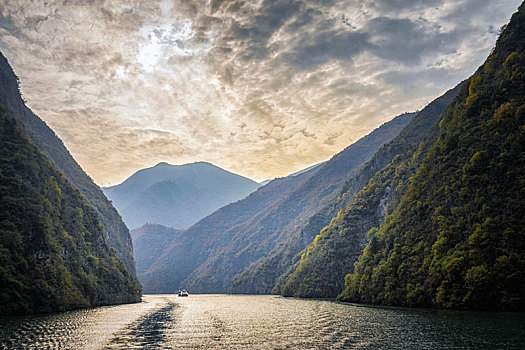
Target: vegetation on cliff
column 115, row 231
column 457, row 238
column 53, row 253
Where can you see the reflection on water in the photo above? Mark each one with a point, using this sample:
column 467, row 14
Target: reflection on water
column 260, row 322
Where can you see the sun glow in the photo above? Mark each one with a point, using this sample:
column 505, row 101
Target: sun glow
column 162, row 42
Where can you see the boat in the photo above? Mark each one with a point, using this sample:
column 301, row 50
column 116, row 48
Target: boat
column 183, row 293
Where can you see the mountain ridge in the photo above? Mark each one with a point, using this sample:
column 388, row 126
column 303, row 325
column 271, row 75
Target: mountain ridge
column 320, row 271
column 261, row 276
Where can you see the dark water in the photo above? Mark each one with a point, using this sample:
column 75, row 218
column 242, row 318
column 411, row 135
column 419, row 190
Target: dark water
column 260, row 322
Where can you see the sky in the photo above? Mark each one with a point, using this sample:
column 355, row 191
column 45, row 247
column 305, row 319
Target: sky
column 261, row 88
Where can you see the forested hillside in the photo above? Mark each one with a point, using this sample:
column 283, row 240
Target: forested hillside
column 117, row 234
column 457, row 238
column 53, row 253
column 321, row 270
column 149, row 242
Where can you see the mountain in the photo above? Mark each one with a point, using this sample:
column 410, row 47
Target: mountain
column 149, row 242
column 177, row 195
column 207, row 256
column 262, row 275
column 381, row 182
column 311, row 167
column 157, row 278
column 53, row 253
column 116, row 233
column 457, row 239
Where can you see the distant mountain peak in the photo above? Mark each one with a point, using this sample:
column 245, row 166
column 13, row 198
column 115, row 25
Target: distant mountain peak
column 177, row 195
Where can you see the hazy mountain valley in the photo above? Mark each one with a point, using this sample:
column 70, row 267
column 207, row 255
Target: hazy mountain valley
column 424, row 213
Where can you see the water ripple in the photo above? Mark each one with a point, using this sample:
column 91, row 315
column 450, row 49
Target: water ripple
column 261, row 322
column 147, row 332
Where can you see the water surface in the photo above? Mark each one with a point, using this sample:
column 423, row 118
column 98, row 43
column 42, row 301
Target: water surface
column 261, row 322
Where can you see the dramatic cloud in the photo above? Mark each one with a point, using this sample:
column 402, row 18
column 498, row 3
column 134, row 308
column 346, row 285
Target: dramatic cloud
column 262, row 87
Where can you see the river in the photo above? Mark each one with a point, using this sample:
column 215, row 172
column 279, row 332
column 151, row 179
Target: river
column 260, row 322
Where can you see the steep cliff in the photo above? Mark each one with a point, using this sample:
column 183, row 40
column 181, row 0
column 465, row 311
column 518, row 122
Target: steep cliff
column 117, row 234
column 381, row 183
column 53, row 253
column 457, row 238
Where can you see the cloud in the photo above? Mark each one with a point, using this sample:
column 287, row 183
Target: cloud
column 328, row 46
column 262, row 88
column 405, row 40
column 385, row 6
